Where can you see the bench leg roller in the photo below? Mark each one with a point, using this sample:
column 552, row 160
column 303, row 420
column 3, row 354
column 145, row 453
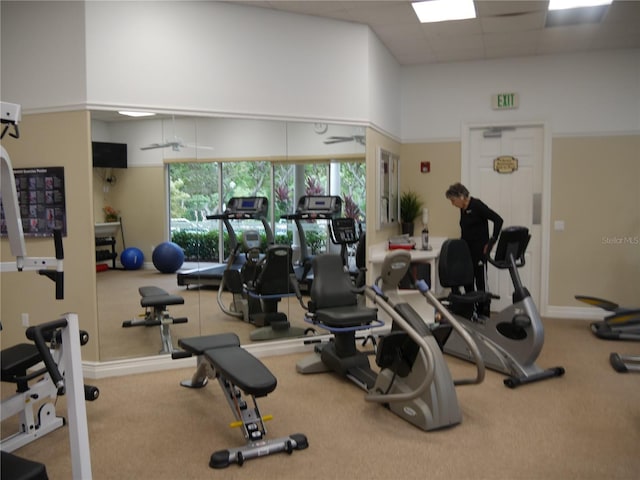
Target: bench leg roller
column 224, row 458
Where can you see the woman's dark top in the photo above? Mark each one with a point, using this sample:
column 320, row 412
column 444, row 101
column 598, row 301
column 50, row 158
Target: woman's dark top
column 475, row 227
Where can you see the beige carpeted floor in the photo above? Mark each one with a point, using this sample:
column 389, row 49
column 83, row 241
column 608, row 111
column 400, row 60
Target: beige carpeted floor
column 585, row 425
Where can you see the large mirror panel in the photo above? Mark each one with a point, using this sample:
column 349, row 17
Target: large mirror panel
column 182, row 170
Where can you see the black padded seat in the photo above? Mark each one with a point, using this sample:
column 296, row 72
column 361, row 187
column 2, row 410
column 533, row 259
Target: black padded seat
column 335, row 303
column 155, row 296
column 17, row 468
column 274, row 274
column 17, row 359
column 198, row 345
column 345, row 317
column 243, row 370
column 455, row 269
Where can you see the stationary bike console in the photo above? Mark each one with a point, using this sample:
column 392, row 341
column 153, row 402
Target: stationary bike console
column 512, row 244
column 343, row 231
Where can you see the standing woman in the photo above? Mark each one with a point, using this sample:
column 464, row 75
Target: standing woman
column 474, row 225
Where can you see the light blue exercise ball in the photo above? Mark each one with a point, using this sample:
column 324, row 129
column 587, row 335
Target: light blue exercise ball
column 168, row 257
column 132, row 258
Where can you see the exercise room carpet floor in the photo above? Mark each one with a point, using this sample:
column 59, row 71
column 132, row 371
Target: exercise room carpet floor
column 585, row 425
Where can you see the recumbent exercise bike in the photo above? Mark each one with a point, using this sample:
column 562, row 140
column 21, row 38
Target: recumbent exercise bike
column 511, row 340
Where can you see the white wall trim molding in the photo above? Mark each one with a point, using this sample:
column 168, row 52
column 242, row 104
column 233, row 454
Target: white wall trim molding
column 157, row 363
column 581, row 313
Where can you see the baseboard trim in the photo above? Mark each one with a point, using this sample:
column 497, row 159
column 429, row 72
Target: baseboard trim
column 132, row 366
column 580, row 313
column 157, row 363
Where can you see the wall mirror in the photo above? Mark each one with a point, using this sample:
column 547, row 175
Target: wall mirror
column 181, row 170
column 388, row 186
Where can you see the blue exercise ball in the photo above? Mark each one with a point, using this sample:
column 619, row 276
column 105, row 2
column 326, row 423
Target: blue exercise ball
column 168, row 257
column 132, row 258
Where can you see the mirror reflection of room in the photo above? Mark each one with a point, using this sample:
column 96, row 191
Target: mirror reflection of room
column 181, row 175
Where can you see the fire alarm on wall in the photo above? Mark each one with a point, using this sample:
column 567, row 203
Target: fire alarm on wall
column 425, row 167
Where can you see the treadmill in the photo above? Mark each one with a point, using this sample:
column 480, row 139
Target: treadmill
column 238, row 208
column 311, row 208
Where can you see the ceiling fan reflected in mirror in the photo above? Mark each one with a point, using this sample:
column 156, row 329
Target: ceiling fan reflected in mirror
column 176, row 145
column 353, row 138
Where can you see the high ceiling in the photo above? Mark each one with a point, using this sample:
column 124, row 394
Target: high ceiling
column 503, row 29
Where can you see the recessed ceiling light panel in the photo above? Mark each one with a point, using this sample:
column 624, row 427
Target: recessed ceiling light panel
column 565, row 4
column 136, row 114
column 444, row 10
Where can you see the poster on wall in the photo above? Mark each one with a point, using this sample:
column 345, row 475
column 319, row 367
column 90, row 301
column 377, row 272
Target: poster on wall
column 41, row 196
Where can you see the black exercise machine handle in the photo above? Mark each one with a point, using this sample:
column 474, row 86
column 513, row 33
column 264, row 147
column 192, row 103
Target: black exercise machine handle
column 37, row 335
column 57, row 275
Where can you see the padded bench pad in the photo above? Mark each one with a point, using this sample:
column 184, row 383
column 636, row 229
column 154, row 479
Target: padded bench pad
column 17, row 359
column 242, row 369
column 18, row 468
column 232, row 362
column 198, row 345
column 157, row 297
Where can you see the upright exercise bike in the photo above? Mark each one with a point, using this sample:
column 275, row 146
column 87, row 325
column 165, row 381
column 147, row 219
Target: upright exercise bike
column 511, row 340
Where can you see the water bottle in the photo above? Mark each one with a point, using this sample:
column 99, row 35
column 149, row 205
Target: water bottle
column 425, row 238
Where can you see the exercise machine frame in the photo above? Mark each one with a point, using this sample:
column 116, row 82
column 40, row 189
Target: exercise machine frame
column 511, row 340
column 221, row 357
column 63, row 376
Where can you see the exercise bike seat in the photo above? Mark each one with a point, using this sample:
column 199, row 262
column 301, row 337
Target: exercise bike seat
column 334, row 302
column 155, row 296
column 455, row 269
column 233, row 362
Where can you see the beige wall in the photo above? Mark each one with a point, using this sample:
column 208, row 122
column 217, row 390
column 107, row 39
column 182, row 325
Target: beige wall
column 445, row 170
column 139, row 194
column 596, row 191
column 48, row 140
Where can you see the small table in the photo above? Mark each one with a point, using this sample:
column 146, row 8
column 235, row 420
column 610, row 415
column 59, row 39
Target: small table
column 105, row 234
column 377, row 253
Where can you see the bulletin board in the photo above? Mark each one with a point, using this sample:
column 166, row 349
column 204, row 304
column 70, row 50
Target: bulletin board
column 41, row 196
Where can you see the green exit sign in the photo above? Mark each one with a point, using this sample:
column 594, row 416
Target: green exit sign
column 505, row 101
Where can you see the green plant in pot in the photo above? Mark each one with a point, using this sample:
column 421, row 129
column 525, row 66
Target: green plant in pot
column 410, row 209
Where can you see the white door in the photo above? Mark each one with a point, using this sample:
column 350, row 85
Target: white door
column 516, row 196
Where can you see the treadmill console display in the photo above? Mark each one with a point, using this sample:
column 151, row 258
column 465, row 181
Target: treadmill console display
column 251, row 207
column 319, row 206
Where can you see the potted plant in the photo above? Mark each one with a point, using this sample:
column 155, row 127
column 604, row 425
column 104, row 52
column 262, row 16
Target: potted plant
column 410, row 209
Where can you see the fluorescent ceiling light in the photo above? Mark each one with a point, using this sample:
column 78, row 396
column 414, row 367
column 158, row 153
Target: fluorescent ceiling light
column 443, row 10
column 136, row 114
column 565, row 4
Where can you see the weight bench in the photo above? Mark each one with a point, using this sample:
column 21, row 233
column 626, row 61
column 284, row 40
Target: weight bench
column 221, row 356
column 155, row 301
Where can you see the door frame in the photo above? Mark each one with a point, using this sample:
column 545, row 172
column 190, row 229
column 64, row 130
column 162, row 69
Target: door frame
column 465, row 165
